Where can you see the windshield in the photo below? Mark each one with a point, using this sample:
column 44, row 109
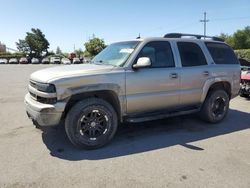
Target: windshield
column 116, row 54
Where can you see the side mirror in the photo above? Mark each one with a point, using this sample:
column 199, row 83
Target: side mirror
column 142, row 62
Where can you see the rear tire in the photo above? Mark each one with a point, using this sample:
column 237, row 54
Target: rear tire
column 215, row 107
column 91, row 123
column 244, row 95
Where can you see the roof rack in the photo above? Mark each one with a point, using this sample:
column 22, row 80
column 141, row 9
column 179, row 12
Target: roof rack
column 180, row 35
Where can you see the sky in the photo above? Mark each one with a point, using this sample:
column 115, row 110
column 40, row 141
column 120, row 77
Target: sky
column 69, row 23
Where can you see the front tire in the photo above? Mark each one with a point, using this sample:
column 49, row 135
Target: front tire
column 91, row 123
column 215, row 107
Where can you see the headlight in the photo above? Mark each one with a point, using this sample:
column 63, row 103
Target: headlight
column 48, row 88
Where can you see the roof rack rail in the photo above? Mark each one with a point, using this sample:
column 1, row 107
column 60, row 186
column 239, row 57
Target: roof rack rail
column 180, row 35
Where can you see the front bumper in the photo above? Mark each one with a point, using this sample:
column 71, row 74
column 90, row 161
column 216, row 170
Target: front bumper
column 44, row 114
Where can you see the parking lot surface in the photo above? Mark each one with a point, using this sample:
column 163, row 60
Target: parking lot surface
column 175, row 152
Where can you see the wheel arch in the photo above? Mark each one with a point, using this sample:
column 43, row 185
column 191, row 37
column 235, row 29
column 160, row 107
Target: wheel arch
column 109, row 96
column 215, row 85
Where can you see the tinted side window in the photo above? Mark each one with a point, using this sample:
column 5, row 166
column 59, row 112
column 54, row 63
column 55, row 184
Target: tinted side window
column 159, row 52
column 221, row 53
column 191, row 54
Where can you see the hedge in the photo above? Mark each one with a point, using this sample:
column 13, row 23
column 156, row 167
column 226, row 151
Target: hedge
column 243, row 54
column 7, row 55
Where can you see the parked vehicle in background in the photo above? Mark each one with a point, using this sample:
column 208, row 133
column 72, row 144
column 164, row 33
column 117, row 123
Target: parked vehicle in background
column 55, row 60
column 13, row 61
column 3, row 61
column 76, row 60
column 135, row 81
column 65, row 61
column 245, row 82
column 35, row 60
column 45, row 60
column 23, row 60
column 87, row 60
column 244, row 62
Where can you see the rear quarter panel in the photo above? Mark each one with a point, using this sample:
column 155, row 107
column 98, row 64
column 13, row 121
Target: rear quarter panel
column 223, row 73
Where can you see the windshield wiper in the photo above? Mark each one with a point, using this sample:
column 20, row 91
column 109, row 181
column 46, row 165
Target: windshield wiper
column 97, row 62
column 101, row 62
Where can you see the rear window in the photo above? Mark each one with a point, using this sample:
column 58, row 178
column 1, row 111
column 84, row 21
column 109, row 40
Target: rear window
column 221, row 53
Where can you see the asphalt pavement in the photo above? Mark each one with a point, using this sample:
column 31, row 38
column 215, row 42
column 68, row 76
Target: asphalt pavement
column 176, row 152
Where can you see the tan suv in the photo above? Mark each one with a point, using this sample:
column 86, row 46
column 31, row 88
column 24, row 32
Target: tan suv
column 135, row 81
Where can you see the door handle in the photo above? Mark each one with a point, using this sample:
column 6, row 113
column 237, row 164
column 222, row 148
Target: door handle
column 173, row 75
column 205, row 73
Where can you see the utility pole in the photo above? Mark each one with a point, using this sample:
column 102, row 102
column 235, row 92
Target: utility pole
column 205, row 23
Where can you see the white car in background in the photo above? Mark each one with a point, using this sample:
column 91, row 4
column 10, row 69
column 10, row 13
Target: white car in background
column 3, row 61
column 55, row 60
column 65, row 61
column 76, row 60
column 35, row 61
column 45, row 60
column 13, row 61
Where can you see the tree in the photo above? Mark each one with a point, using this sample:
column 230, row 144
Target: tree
column 79, row 52
column 34, row 43
column 94, row 46
column 228, row 39
column 242, row 38
column 58, row 50
column 239, row 40
column 23, row 46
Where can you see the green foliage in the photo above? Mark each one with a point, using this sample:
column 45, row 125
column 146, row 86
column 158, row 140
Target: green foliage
column 34, row 43
column 239, row 40
column 86, row 54
column 79, row 52
column 23, row 46
column 65, row 54
column 243, row 53
column 8, row 55
column 58, row 50
column 50, row 53
column 94, row 46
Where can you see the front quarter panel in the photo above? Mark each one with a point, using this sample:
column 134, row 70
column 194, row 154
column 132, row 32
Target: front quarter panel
column 112, row 81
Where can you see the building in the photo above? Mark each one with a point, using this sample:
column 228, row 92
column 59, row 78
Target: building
column 2, row 47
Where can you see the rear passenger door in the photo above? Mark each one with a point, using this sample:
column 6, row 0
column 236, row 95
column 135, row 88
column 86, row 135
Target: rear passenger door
column 194, row 73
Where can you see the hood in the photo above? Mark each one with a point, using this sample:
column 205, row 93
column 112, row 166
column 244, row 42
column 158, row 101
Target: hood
column 245, row 75
column 45, row 75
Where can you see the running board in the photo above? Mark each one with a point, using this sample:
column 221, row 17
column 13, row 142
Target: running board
column 152, row 117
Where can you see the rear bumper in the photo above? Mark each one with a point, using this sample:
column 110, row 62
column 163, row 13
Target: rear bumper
column 44, row 114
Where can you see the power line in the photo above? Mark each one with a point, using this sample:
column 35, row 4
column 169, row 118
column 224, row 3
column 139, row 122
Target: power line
column 230, row 18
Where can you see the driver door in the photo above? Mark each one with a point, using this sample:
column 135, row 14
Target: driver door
column 156, row 87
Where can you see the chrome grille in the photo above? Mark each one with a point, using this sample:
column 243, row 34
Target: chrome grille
column 33, row 84
column 33, row 95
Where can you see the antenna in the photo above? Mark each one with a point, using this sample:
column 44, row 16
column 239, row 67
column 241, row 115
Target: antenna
column 139, row 36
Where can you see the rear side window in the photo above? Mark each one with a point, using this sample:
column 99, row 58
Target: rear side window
column 221, row 53
column 191, row 54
